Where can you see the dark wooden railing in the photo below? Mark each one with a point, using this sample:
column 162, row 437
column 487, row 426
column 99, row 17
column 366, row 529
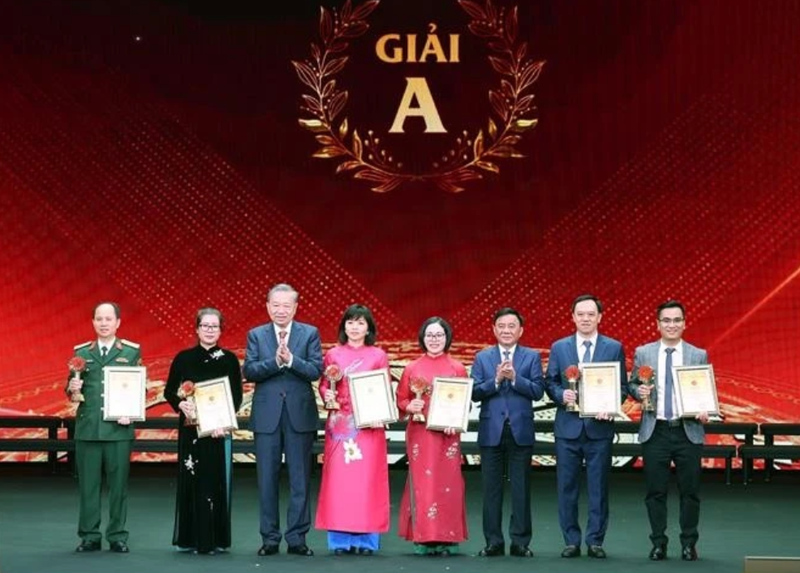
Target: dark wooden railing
column 54, row 444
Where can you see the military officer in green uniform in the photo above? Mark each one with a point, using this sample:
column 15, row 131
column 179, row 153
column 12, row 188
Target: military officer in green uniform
column 102, row 449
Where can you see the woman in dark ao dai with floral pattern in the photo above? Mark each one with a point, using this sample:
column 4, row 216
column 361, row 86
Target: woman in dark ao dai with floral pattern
column 203, row 506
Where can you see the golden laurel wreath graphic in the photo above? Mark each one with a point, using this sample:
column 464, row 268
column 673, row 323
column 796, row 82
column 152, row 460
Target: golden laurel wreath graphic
column 365, row 157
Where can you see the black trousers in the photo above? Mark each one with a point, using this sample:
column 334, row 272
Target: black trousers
column 670, row 444
column 492, row 475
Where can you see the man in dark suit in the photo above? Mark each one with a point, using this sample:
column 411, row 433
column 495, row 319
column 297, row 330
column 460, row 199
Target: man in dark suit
column 583, row 439
column 667, row 438
column 102, row 448
column 508, row 378
column 283, row 358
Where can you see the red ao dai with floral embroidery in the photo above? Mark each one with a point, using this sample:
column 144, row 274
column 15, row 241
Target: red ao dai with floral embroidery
column 433, row 505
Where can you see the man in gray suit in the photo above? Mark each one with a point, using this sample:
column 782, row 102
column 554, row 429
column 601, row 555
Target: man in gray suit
column 667, row 438
column 283, row 358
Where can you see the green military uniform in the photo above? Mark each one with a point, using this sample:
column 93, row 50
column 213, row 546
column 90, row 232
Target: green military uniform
column 102, row 447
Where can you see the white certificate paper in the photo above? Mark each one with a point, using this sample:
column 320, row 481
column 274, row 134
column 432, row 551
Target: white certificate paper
column 214, row 404
column 599, row 389
column 124, row 390
column 450, row 403
column 372, row 398
column 696, row 390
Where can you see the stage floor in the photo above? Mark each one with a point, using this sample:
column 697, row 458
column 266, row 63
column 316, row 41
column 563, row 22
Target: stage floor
column 38, row 519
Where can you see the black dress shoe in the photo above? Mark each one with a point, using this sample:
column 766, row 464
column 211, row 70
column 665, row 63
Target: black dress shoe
column 267, row 550
column 119, row 547
column 303, row 550
column 87, row 546
column 658, row 553
column 689, row 553
column 571, row 551
column 596, row 551
column 520, row 551
column 492, row 550
column 365, row 551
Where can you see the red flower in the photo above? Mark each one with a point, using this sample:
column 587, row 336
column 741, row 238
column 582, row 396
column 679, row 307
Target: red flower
column 77, row 364
column 333, row 373
column 186, row 390
column 419, row 385
column 572, row 373
column 645, row 373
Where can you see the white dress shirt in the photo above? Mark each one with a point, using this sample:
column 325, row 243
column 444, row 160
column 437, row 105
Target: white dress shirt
column 108, row 345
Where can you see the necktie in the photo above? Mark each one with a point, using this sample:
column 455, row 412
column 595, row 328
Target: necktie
column 282, row 336
column 668, row 385
column 506, row 358
column 587, row 354
column 103, row 351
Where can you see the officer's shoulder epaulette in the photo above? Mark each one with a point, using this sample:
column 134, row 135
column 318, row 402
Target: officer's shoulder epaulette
column 128, row 343
column 82, row 345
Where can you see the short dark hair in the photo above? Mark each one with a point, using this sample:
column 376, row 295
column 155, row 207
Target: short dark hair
column 355, row 311
column 209, row 310
column 113, row 305
column 448, row 332
column 506, row 310
column 584, row 297
column 670, row 304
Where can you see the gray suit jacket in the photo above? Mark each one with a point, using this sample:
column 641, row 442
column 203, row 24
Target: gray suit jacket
column 648, row 354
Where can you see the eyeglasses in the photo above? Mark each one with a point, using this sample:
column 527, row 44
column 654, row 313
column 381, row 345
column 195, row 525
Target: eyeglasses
column 435, row 335
column 666, row 321
column 209, row 327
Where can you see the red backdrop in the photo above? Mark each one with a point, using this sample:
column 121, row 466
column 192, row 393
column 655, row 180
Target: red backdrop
column 150, row 153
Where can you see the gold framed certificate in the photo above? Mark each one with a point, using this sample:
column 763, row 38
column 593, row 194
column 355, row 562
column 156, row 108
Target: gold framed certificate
column 124, row 389
column 450, row 402
column 372, row 398
column 599, row 389
column 214, row 406
column 695, row 390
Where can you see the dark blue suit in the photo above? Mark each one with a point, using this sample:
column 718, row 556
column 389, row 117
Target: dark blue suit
column 579, row 439
column 284, row 420
column 506, row 429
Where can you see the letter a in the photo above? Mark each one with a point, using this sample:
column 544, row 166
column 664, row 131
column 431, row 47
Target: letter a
column 418, row 87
